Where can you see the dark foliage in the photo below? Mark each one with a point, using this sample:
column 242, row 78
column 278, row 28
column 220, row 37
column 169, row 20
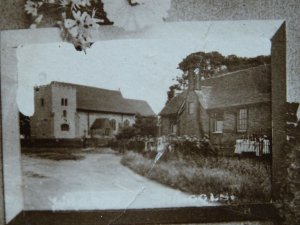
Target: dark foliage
column 24, row 123
column 211, row 64
column 144, row 126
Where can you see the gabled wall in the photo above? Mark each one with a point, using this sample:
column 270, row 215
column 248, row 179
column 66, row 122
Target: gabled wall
column 190, row 120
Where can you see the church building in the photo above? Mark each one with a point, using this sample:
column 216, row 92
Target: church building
column 67, row 111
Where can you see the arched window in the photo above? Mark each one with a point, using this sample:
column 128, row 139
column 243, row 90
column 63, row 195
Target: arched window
column 65, row 113
column 126, row 123
column 42, row 102
column 113, row 124
column 65, row 127
column 64, row 101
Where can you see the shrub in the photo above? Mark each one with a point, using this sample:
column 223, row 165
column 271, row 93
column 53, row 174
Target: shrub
column 228, row 176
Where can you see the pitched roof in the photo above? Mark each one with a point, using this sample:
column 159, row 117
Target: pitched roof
column 141, row 107
column 237, row 88
column 242, row 87
column 101, row 124
column 173, row 106
column 104, row 100
column 204, row 96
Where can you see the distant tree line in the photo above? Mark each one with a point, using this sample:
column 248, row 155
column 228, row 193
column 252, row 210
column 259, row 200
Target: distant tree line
column 211, row 64
column 143, row 126
column 24, row 123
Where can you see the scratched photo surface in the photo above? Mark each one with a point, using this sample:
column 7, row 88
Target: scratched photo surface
column 148, row 122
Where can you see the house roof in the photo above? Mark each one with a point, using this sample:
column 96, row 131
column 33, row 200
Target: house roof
column 237, row 88
column 141, row 107
column 100, row 124
column 104, row 100
column 173, row 106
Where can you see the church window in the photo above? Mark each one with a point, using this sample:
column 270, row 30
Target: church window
column 126, row 123
column 65, row 113
column 106, row 132
column 65, row 127
column 64, row 101
column 113, row 124
column 42, row 102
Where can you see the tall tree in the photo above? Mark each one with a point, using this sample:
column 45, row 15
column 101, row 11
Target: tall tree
column 211, row 64
column 24, row 122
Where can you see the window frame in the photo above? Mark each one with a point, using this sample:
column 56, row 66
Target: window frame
column 113, row 124
column 42, row 101
column 65, row 127
column 215, row 118
column 126, row 123
column 244, row 119
column 65, row 114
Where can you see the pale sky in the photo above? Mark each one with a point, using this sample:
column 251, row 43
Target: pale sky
column 141, row 68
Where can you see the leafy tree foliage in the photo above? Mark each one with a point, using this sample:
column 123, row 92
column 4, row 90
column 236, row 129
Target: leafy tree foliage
column 144, row 126
column 211, row 64
column 24, row 123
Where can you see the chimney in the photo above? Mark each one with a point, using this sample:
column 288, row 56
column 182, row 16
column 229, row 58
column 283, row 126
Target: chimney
column 194, row 80
column 191, row 79
column 198, row 81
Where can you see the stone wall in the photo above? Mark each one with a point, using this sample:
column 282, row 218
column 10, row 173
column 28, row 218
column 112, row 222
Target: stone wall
column 42, row 121
column 258, row 123
column 68, row 93
column 190, row 117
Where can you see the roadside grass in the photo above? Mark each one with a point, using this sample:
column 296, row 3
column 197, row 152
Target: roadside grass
column 246, row 180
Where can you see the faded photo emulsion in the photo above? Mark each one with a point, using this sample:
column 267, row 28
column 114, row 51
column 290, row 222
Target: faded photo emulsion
column 175, row 115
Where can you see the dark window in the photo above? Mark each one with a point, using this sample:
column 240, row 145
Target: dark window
column 113, row 124
column 42, row 102
column 217, row 122
column 64, row 101
column 174, row 128
column 65, row 113
column 107, row 131
column 242, row 120
column 65, row 127
column 126, row 123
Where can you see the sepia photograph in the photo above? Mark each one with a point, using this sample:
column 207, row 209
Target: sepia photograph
column 189, row 126
column 145, row 114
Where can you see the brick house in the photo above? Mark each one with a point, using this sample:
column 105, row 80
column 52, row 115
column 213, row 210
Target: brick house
column 224, row 108
column 66, row 111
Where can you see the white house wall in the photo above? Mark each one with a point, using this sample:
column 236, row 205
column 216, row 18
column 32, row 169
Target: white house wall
column 86, row 120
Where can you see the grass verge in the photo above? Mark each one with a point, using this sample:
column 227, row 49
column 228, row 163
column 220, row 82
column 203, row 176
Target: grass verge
column 246, row 180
